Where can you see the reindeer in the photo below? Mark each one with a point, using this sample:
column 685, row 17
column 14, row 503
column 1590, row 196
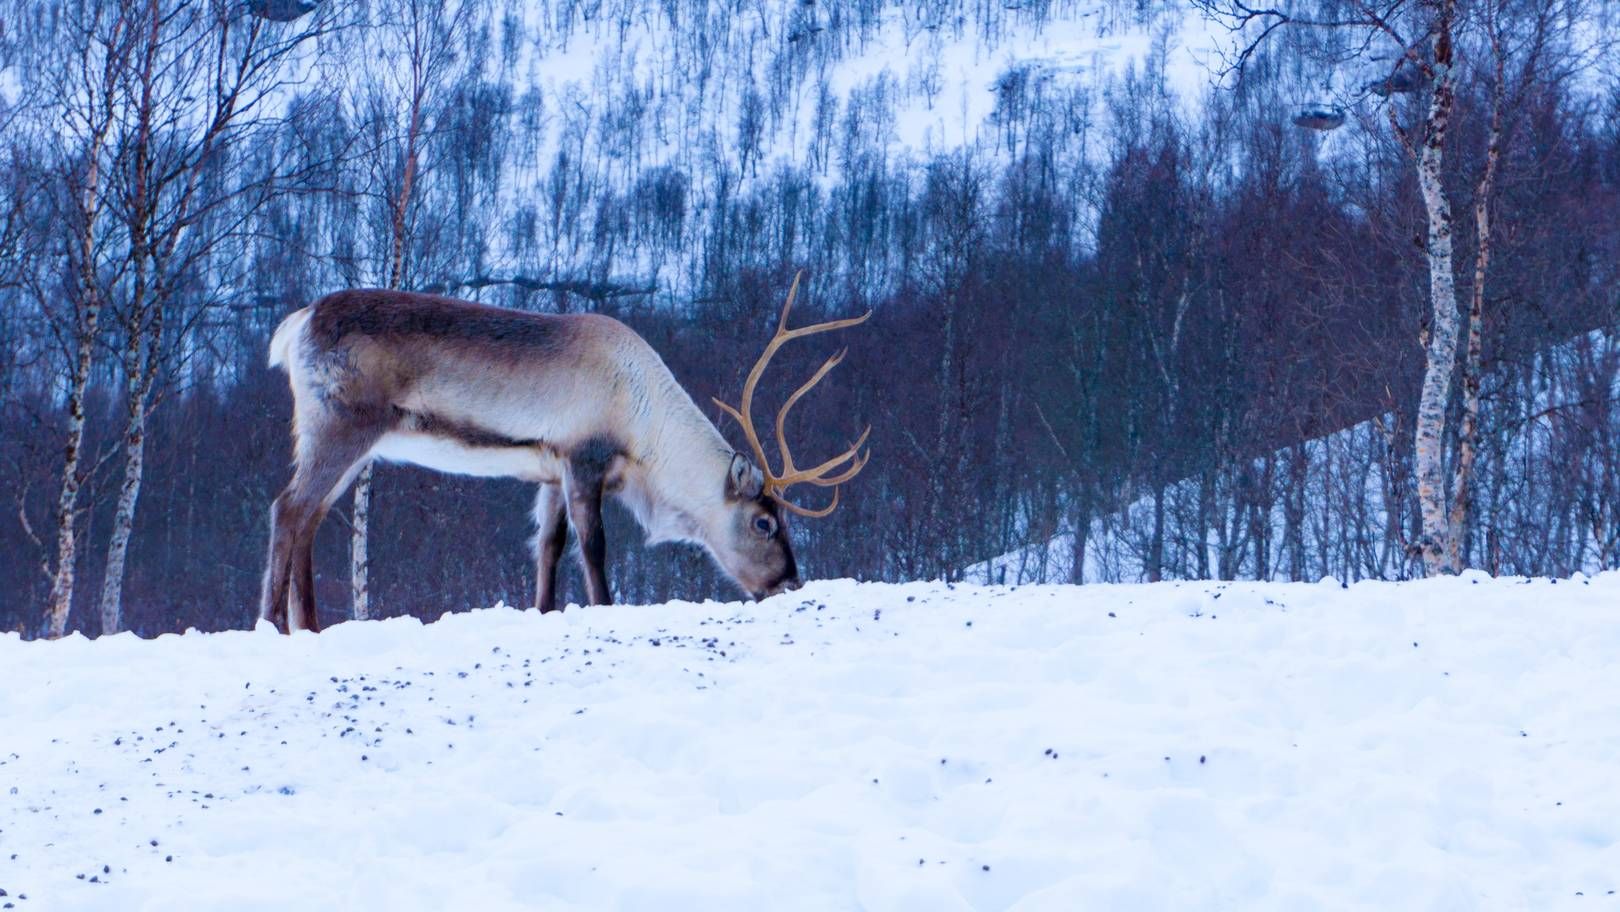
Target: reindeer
column 578, row 404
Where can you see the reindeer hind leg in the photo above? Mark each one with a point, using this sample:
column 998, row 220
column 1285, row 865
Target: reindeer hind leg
column 550, row 539
column 284, row 522
column 325, row 471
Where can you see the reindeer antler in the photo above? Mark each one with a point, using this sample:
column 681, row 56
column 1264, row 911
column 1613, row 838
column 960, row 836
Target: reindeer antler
column 851, row 460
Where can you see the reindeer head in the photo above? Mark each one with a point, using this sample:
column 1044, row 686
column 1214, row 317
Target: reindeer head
column 757, row 552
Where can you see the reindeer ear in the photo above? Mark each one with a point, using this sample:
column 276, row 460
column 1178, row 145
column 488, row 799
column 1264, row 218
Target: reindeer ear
column 744, row 481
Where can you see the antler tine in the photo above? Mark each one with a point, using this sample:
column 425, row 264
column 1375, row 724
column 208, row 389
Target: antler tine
column 787, row 307
column 818, row 475
column 806, row 511
column 744, row 415
column 777, row 483
column 788, row 469
column 834, row 483
column 748, row 431
column 827, row 326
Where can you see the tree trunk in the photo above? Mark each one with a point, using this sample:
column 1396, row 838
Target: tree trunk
column 359, row 558
column 1155, row 561
column 140, row 362
column 1294, row 512
column 112, row 584
column 139, row 355
column 360, row 528
column 1468, row 432
column 1207, row 520
column 89, row 305
column 1082, row 531
column 1259, row 510
column 1441, row 353
column 1225, row 529
column 943, row 492
column 67, row 506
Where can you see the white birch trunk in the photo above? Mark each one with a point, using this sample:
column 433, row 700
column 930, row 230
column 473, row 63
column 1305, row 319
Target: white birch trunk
column 359, row 558
column 137, row 376
column 112, row 585
column 1468, row 432
column 1441, row 354
column 89, row 304
column 67, row 506
column 430, row 33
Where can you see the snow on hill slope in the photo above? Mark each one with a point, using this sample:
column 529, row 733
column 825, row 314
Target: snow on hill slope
column 667, row 114
column 929, row 79
column 1440, row 744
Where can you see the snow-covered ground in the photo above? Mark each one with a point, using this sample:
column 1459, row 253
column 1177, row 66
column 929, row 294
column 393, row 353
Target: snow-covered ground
column 1449, row 744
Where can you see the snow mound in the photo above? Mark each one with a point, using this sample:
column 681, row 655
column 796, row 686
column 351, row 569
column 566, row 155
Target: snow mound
column 1440, row 744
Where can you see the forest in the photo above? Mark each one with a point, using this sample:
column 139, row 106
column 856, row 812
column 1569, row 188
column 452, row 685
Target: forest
column 1160, row 290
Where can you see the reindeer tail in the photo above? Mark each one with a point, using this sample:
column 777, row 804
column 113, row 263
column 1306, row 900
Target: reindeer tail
column 286, row 335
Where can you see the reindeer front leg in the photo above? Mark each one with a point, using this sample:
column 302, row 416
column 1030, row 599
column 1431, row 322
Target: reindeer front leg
column 550, row 537
column 584, row 484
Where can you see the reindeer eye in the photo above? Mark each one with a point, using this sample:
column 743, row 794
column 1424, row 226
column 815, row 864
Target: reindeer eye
column 764, row 525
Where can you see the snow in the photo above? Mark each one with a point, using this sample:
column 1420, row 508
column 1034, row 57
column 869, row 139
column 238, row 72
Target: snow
column 1074, row 48
column 1338, row 480
column 925, row 80
column 1445, row 744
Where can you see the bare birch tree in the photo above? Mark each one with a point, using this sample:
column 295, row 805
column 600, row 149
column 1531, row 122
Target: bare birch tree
column 1521, row 59
column 81, row 76
column 198, row 79
column 1428, row 39
column 1424, row 54
column 410, row 50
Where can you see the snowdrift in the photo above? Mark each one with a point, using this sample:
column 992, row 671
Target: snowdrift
column 1441, row 744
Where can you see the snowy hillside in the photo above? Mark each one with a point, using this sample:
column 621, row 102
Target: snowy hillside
column 720, row 81
column 1323, row 491
column 610, row 137
column 1443, row 744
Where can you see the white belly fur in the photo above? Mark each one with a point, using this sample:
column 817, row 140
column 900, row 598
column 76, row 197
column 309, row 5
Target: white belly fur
column 445, row 455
